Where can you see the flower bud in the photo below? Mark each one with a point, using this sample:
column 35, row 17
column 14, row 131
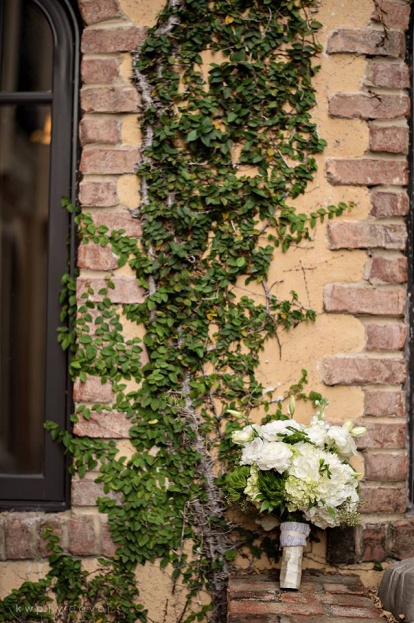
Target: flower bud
column 292, row 406
column 348, row 425
column 358, row 431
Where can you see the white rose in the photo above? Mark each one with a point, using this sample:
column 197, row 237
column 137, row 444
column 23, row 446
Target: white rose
column 321, row 518
column 342, row 441
column 274, row 455
column 316, row 432
column 241, row 437
column 272, row 430
column 251, row 451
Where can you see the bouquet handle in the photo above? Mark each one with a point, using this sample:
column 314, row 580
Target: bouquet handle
column 293, row 537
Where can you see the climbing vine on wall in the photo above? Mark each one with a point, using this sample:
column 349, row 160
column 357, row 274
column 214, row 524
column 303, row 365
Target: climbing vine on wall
column 228, row 145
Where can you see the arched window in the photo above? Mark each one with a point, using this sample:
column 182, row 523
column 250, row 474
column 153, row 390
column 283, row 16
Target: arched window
column 38, row 90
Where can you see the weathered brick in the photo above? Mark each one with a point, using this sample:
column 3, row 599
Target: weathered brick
column 381, row 435
column 85, row 492
column 366, row 235
column 83, row 539
column 100, row 194
column 379, row 499
column 258, row 588
column 119, row 220
column 126, row 290
column 21, row 537
column 2, row 539
column 109, row 425
column 387, row 204
column 253, row 607
column 341, row 588
column 388, row 75
column 392, row 140
column 361, row 299
column 372, row 106
column 99, row 130
column 402, row 538
column 384, row 403
column 94, row 257
column 385, row 337
column 93, row 390
column 391, row 14
column 366, row 172
column 344, row 600
column 99, row 70
column 111, row 99
column 58, row 524
column 93, row 11
column 109, row 40
column 108, row 546
column 388, row 467
column 388, row 269
column 109, row 161
column 374, row 548
column 358, row 370
column 366, row 41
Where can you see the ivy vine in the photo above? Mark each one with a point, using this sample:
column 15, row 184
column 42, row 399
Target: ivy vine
column 228, row 145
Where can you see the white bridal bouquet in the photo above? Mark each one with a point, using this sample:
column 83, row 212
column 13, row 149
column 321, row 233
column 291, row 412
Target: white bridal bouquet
column 298, row 472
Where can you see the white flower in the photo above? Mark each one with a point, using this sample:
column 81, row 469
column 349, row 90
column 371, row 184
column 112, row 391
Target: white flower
column 342, row 441
column 321, row 517
column 274, row 455
column 316, row 431
column 300, row 494
column 251, row 451
column 241, row 437
column 305, row 462
column 273, row 430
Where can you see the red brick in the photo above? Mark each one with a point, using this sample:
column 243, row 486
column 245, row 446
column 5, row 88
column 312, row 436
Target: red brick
column 331, row 619
column 109, row 425
column 383, row 435
column 383, row 499
column 355, row 613
column 361, row 299
column 366, row 172
column 109, row 99
column 108, row 546
column 358, row 370
column 251, row 587
column 385, row 337
column 391, row 14
column 21, row 537
column 374, row 543
column 366, row 235
column 388, row 75
column 387, row 467
column 92, row 390
column 344, row 600
column 253, row 607
column 102, row 194
column 388, row 204
column 341, row 588
column 109, row 40
column 384, row 404
column 97, row 11
column 126, row 290
column 99, row 130
column 109, row 161
column 402, row 542
column 119, row 220
column 82, row 536
column 86, row 492
column 392, row 140
column 99, row 70
column 373, row 106
column 388, row 269
column 95, row 257
column 366, row 41
column 2, row 539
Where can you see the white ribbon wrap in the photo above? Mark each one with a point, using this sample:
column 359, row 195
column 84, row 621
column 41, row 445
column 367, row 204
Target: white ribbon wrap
column 292, row 539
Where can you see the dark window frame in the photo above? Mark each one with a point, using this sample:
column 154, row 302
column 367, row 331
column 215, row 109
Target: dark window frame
column 50, row 491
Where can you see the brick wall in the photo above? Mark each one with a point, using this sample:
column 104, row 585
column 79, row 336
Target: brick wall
column 110, row 139
column 379, row 300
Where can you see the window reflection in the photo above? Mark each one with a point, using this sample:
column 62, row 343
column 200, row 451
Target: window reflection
column 24, row 175
column 26, row 47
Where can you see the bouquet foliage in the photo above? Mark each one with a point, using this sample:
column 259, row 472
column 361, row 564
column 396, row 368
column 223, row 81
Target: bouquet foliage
column 298, row 472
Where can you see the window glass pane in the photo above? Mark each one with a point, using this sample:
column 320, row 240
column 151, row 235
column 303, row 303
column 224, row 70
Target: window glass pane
column 24, row 183
column 26, row 47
